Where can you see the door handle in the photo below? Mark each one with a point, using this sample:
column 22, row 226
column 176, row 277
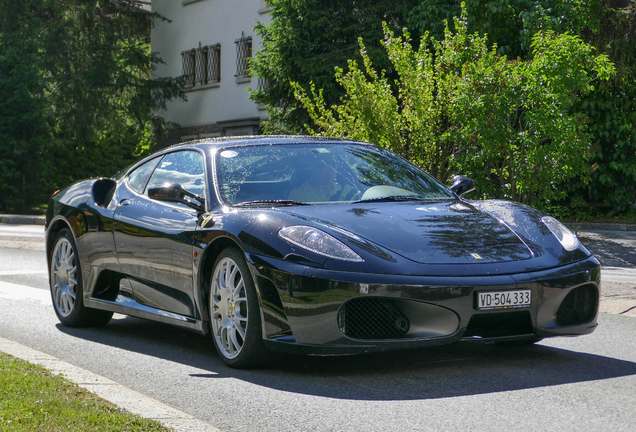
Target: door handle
column 124, row 202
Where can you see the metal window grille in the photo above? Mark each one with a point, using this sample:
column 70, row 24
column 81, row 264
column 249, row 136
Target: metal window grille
column 243, row 54
column 202, row 65
column 263, row 84
column 189, row 64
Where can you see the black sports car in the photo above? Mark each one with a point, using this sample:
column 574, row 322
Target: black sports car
column 311, row 245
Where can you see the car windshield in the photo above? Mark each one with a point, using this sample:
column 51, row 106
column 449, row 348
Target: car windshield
column 320, row 173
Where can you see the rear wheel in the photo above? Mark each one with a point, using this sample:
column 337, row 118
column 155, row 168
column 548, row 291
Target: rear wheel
column 235, row 313
column 66, row 286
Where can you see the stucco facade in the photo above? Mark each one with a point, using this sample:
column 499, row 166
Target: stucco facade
column 218, row 104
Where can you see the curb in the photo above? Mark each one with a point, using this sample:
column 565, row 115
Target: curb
column 22, row 220
column 600, row 226
column 121, row 396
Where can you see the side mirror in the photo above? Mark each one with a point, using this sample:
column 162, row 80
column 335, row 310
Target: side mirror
column 176, row 193
column 462, row 185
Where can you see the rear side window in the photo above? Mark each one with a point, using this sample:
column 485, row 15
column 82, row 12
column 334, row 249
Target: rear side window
column 138, row 179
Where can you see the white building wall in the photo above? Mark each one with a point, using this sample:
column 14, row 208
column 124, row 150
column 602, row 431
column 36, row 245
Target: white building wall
column 208, row 22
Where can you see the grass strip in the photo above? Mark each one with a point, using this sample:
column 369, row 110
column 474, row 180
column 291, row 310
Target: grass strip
column 32, row 399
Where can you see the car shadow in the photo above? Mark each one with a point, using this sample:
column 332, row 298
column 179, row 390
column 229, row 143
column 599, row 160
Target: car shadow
column 438, row 372
column 611, row 249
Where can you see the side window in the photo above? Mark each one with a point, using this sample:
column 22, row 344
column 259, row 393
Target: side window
column 184, row 168
column 139, row 177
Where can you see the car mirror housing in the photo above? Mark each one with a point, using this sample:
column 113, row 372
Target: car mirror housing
column 462, row 185
column 176, row 193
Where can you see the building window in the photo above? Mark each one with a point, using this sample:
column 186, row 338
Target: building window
column 202, row 66
column 263, row 84
column 243, row 54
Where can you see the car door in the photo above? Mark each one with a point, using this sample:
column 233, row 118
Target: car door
column 154, row 239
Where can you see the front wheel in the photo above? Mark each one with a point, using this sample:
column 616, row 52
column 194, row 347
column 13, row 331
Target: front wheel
column 66, row 286
column 235, row 313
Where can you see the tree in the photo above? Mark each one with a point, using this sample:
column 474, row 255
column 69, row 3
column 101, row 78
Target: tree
column 510, row 24
column 611, row 110
column 77, row 96
column 307, row 39
column 460, row 105
column 24, row 122
column 609, row 25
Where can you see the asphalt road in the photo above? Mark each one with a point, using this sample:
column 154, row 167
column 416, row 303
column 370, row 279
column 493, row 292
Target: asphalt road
column 564, row 384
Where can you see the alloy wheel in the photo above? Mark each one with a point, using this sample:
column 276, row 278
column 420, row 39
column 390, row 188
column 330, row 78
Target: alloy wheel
column 63, row 277
column 229, row 308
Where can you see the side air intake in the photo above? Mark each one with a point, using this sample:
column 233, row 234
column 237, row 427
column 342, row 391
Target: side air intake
column 579, row 306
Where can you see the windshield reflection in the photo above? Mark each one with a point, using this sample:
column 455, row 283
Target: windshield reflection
column 320, row 173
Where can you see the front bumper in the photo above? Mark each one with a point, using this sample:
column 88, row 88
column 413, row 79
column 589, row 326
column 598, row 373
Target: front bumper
column 305, row 309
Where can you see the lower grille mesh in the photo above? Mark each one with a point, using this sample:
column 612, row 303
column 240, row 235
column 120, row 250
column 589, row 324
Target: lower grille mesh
column 579, row 306
column 372, row 318
column 498, row 324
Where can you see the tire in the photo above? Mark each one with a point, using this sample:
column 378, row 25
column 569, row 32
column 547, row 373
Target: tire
column 67, row 293
column 235, row 313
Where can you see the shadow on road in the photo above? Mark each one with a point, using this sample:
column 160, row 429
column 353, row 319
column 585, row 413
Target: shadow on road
column 611, row 248
column 438, row 372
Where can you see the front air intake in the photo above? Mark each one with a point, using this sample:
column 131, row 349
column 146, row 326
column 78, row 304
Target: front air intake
column 579, row 306
column 372, row 318
column 499, row 324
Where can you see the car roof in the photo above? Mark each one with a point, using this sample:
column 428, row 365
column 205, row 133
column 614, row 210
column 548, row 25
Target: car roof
column 245, row 140
column 250, row 140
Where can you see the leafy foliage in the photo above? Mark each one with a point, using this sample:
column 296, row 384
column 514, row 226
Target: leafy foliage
column 76, row 94
column 608, row 25
column 460, row 105
column 307, row 39
column 511, row 24
column 611, row 110
column 516, row 118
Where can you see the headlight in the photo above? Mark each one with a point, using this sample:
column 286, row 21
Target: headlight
column 567, row 238
column 319, row 242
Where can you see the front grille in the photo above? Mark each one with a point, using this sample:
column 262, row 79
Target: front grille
column 372, row 318
column 579, row 306
column 499, row 324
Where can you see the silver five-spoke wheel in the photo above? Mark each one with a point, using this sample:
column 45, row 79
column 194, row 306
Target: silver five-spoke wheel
column 63, row 277
column 229, row 308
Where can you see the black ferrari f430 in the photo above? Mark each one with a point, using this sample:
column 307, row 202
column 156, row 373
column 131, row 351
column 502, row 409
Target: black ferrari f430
column 309, row 245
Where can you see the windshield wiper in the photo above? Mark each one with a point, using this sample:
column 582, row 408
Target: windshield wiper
column 271, row 202
column 391, row 198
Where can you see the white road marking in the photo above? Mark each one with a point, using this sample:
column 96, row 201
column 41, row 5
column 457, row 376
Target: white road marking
column 20, row 292
column 22, row 231
column 618, row 274
column 22, row 272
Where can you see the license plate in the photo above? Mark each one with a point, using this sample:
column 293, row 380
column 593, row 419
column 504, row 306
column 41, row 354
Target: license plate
column 504, row 299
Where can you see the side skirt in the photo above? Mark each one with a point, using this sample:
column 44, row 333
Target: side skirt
column 127, row 306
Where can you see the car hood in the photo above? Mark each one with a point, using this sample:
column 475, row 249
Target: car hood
column 441, row 232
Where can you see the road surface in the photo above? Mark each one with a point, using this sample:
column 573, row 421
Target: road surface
column 562, row 384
